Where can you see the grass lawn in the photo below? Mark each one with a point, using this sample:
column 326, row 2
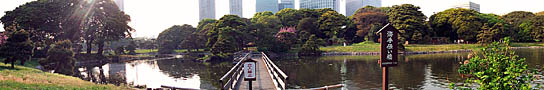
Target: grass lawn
column 26, row 78
column 375, row 47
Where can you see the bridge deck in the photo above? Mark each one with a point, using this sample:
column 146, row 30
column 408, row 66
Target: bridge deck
column 264, row 80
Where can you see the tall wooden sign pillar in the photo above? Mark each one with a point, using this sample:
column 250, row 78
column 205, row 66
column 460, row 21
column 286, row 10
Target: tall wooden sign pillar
column 388, row 51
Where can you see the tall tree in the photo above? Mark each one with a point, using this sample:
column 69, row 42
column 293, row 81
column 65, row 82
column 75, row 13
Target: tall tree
column 60, row 58
column 365, row 19
column 237, row 24
column 331, row 25
column 456, row 23
column 17, row 47
column 409, row 21
column 171, row 38
column 307, row 27
column 516, row 20
column 106, row 23
column 311, row 47
column 289, row 17
column 538, row 28
column 263, row 28
column 225, row 44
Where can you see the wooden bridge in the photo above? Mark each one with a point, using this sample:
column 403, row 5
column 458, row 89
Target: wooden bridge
column 268, row 75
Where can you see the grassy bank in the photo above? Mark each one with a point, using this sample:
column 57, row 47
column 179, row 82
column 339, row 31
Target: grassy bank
column 375, row 47
column 25, row 78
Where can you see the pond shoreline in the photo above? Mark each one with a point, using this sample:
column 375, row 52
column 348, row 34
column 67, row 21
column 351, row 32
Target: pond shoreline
column 417, row 52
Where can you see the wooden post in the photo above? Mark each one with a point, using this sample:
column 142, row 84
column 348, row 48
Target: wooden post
column 385, row 78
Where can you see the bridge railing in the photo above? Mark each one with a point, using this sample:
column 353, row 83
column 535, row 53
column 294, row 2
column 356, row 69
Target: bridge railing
column 229, row 80
column 278, row 76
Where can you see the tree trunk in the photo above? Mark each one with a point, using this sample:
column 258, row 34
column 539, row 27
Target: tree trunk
column 100, row 48
column 89, row 46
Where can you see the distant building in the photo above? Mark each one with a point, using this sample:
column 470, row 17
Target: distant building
column 286, row 4
column 235, row 7
column 318, row 4
column 266, row 5
column 206, row 9
column 120, row 4
column 468, row 5
column 375, row 3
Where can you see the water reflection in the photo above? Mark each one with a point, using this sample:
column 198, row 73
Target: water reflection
column 153, row 74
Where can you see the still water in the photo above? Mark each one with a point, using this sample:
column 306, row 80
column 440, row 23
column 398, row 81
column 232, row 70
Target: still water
column 429, row 71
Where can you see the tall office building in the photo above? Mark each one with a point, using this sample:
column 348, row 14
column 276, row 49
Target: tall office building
column 286, row 4
column 266, row 5
column 206, row 9
column 468, row 5
column 120, row 4
column 318, row 4
column 235, row 7
column 375, row 3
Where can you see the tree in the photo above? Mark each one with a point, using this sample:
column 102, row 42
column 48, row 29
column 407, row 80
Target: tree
column 499, row 68
column 106, row 23
column 368, row 19
column 331, row 25
column 287, row 36
column 203, row 23
column 515, row 20
column 310, row 48
column 488, row 35
column 60, row 58
column 131, row 48
column 307, row 27
column 409, row 21
column 225, row 44
column 537, row 32
column 237, row 24
column 288, row 17
column 171, row 38
column 456, row 23
column 263, row 28
column 17, row 47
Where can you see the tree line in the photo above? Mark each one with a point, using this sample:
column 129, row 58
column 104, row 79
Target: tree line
column 58, row 29
column 291, row 29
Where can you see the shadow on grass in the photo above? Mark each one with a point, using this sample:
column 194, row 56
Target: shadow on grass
column 2, row 67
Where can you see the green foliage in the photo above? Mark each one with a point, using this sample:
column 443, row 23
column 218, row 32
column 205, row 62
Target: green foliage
column 203, row 23
column 307, row 27
column 60, row 58
column 17, row 47
column 225, row 44
column 310, row 48
column 368, row 20
column 410, row 22
column 239, row 31
column 498, row 69
column 171, row 38
column 288, row 16
column 456, row 23
column 331, row 25
column 519, row 25
column 537, row 32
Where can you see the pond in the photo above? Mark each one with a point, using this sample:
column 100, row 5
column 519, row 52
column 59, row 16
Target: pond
column 427, row 71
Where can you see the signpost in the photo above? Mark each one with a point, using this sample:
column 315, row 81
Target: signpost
column 388, row 51
column 249, row 71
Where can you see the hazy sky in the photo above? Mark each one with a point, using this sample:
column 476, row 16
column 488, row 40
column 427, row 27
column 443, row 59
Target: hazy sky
column 149, row 18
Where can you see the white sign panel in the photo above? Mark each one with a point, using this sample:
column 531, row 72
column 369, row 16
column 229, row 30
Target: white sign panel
column 249, row 70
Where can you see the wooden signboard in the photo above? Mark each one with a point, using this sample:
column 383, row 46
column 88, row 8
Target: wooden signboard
column 388, row 46
column 249, row 70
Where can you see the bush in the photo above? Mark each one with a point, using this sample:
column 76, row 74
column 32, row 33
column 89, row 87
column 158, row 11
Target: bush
column 310, row 48
column 499, row 68
column 60, row 58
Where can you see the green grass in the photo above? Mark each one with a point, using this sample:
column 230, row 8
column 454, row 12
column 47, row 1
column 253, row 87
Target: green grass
column 155, row 50
column 375, row 47
column 26, row 78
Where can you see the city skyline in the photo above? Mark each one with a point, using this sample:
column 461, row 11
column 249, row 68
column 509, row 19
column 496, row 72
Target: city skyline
column 151, row 19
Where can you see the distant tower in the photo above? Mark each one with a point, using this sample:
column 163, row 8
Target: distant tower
column 468, row 5
column 318, row 4
column 267, row 5
column 286, row 4
column 235, row 7
column 206, row 9
column 120, row 4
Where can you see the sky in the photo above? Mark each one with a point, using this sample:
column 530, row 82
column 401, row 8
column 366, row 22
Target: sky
column 149, row 18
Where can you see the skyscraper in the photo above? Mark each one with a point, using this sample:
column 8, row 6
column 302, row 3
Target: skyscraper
column 286, row 4
column 266, row 5
column 318, row 4
column 235, row 7
column 206, row 9
column 468, row 5
column 120, row 4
